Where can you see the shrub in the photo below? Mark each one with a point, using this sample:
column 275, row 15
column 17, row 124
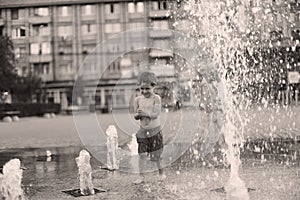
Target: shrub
column 30, row 109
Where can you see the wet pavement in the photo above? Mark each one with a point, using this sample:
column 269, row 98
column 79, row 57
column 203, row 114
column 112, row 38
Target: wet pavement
column 270, row 163
column 46, row 177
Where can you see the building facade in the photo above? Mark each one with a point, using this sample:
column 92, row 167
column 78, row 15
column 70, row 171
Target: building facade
column 53, row 38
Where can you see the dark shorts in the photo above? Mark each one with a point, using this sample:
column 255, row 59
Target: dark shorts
column 150, row 141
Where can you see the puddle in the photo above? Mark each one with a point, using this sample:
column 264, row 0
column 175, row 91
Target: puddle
column 222, row 190
column 76, row 192
column 275, row 149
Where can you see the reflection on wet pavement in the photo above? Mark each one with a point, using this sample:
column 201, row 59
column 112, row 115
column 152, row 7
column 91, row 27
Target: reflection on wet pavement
column 57, row 164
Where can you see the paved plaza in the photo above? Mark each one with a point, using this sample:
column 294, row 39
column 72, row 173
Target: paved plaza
column 29, row 139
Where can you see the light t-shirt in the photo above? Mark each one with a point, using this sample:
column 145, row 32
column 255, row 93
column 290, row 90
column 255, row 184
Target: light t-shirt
column 148, row 105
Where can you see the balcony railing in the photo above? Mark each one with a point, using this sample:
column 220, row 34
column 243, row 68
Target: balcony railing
column 159, row 13
column 156, row 53
column 40, row 58
column 163, row 70
column 160, row 33
column 39, row 19
column 64, row 19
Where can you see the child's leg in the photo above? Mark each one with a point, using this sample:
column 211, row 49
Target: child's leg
column 160, row 170
column 156, row 150
column 142, row 149
column 142, row 162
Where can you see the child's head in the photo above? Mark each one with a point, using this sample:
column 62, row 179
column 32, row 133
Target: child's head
column 147, row 77
column 146, row 81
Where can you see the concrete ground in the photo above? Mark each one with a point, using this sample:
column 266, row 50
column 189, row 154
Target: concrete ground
column 46, row 180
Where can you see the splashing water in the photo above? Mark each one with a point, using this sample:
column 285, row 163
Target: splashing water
column 85, row 173
column 10, row 181
column 112, row 147
column 219, row 27
column 133, row 146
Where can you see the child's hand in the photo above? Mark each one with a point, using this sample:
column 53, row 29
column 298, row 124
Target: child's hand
column 142, row 113
column 137, row 116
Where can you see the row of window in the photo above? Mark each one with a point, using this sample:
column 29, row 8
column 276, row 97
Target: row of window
column 90, row 28
column 44, row 68
column 36, row 69
column 35, row 49
column 65, row 11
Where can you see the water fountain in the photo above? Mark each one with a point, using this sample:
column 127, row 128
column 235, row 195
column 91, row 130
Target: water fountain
column 10, row 181
column 85, row 173
column 133, row 146
column 219, row 27
column 112, row 147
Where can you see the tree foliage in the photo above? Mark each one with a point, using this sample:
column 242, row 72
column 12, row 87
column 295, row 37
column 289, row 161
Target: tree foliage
column 8, row 75
column 21, row 88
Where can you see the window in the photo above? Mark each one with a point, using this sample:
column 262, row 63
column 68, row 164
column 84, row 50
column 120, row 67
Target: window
column 34, row 49
column 112, row 8
column 131, row 7
column 113, row 48
column 1, row 13
column 24, row 71
column 164, row 24
column 14, row 14
column 64, row 11
column 40, row 12
column 1, row 30
column 40, row 30
column 19, row 32
column 89, row 67
column 88, row 9
column 88, row 29
column 162, row 5
column 136, row 7
column 65, row 49
column 17, row 14
column 136, row 25
column 46, row 48
column 114, row 67
column 41, row 68
column 112, row 28
column 43, row 48
column 120, row 97
column 140, row 7
column 87, row 48
column 66, row 68
column 20, row 52
column 109, row 8
column 17, row 52
column 159, row 5
column 65, row 31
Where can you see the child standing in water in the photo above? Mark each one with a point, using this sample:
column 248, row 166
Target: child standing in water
column 147, row 108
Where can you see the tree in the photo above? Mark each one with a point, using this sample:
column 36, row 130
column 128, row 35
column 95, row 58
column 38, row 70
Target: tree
column 8, row 75
column 21, row 88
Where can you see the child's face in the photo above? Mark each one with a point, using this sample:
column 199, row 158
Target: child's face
column 146, row 90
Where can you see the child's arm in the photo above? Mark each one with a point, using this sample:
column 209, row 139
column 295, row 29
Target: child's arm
column 135, row 109
column 156, row 108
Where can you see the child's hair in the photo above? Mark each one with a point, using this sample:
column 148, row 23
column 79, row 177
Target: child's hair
column 147, row 77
